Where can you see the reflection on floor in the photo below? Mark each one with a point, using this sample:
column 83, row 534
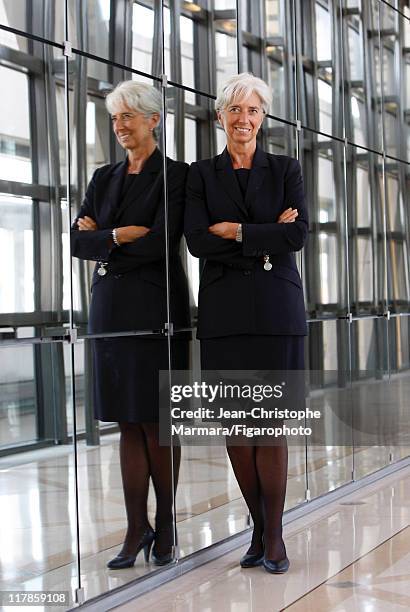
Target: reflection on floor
column 37, row 531
column 351, row 556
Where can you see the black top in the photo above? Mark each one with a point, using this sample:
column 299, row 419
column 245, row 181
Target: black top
column 242, row 175
column 130, row 181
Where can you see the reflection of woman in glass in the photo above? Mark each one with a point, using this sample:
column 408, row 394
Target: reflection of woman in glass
column 245, row 215
column 121, row 226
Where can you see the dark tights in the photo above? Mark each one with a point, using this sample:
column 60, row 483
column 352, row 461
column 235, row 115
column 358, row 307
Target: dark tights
column 261, row 472
column 142, row 457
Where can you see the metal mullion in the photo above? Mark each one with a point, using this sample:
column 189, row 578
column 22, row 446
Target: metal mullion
column 158, row 61
column 205, row 81
column 20, row 60
column 168, row 324
column 239, row 38
column 383, row 210
column 49, row 365
column 79, row 590
column 176, row 75
column 313, row 57
column 25, row 190
column 384, row 181
column 346, row 334
column 288, row 63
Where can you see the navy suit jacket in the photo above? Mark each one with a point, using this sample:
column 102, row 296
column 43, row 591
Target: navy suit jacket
column 132, row 295
column 236, row 294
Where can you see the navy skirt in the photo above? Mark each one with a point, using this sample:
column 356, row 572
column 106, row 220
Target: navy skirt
column 126, row 376
column 260, row 356
column 248, row 352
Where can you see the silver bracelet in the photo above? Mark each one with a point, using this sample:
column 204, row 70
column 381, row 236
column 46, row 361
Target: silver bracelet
column 114, row 237
column 238, row 237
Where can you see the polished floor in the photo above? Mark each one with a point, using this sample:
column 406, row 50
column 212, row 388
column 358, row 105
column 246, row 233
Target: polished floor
column 38, row 530
column 353, row 555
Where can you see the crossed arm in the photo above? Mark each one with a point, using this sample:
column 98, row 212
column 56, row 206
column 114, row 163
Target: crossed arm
column 217, row 241
column 228, row 230
column 139, row 244
column 128, row 233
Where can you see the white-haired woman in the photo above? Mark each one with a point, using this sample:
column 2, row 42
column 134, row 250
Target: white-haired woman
column 245, row 216
column 121, row 226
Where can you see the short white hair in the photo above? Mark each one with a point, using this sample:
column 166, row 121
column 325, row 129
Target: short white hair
column 240, row 87
column 139, row 97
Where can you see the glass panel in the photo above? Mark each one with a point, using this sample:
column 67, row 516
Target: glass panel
column 278, row 59
column 324, row 175
column 363, row 219
column 225, row 45
column 116, row 372
column 391, row 80
column 397, row 238
column 13, row 14
column 320, row 96
column 142, row 37
column 355, row 47
column 374, row 92
column 18, row 395
column 89, row 29
column 273, row 17
column 19, row 15
column 39, row 547
column 370, row 382
column 16, row 247
column 399, row 343
column 329, row 465
column 31, row 289
column 181, row 64
column 225, row 28
column 15, row 137
column 323, row 25
column 38, row 541
column 113, row 483
column 279, row 138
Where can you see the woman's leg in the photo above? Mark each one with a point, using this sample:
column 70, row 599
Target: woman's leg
column 272, row 469
column 243, row 461
column 164, row 474
column 135, row 480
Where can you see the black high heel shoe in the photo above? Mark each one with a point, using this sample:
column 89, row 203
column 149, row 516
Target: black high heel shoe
column 167, row 557
column 122, row 561
column 251, row 559
column 276, row 567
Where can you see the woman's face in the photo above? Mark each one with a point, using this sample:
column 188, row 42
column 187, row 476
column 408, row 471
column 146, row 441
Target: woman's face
column 131, row 128
column 241, row 119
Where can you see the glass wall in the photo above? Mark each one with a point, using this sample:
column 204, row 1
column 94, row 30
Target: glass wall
column 339, row 73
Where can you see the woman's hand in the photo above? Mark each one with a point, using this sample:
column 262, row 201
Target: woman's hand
column 86, row 224
column 130, row 233
column 288, row 216
column 226, row 229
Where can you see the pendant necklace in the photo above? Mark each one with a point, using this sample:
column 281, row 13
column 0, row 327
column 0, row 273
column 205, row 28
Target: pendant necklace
column 101, row 270
column 267, row 265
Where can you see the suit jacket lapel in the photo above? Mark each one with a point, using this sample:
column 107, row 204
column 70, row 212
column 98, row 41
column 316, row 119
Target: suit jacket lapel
column 226, row 175
column 113, row 192
column 151, row 170
column 257, row 175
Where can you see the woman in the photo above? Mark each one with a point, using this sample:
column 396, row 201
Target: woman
column 245, row 215
column 121, row 225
